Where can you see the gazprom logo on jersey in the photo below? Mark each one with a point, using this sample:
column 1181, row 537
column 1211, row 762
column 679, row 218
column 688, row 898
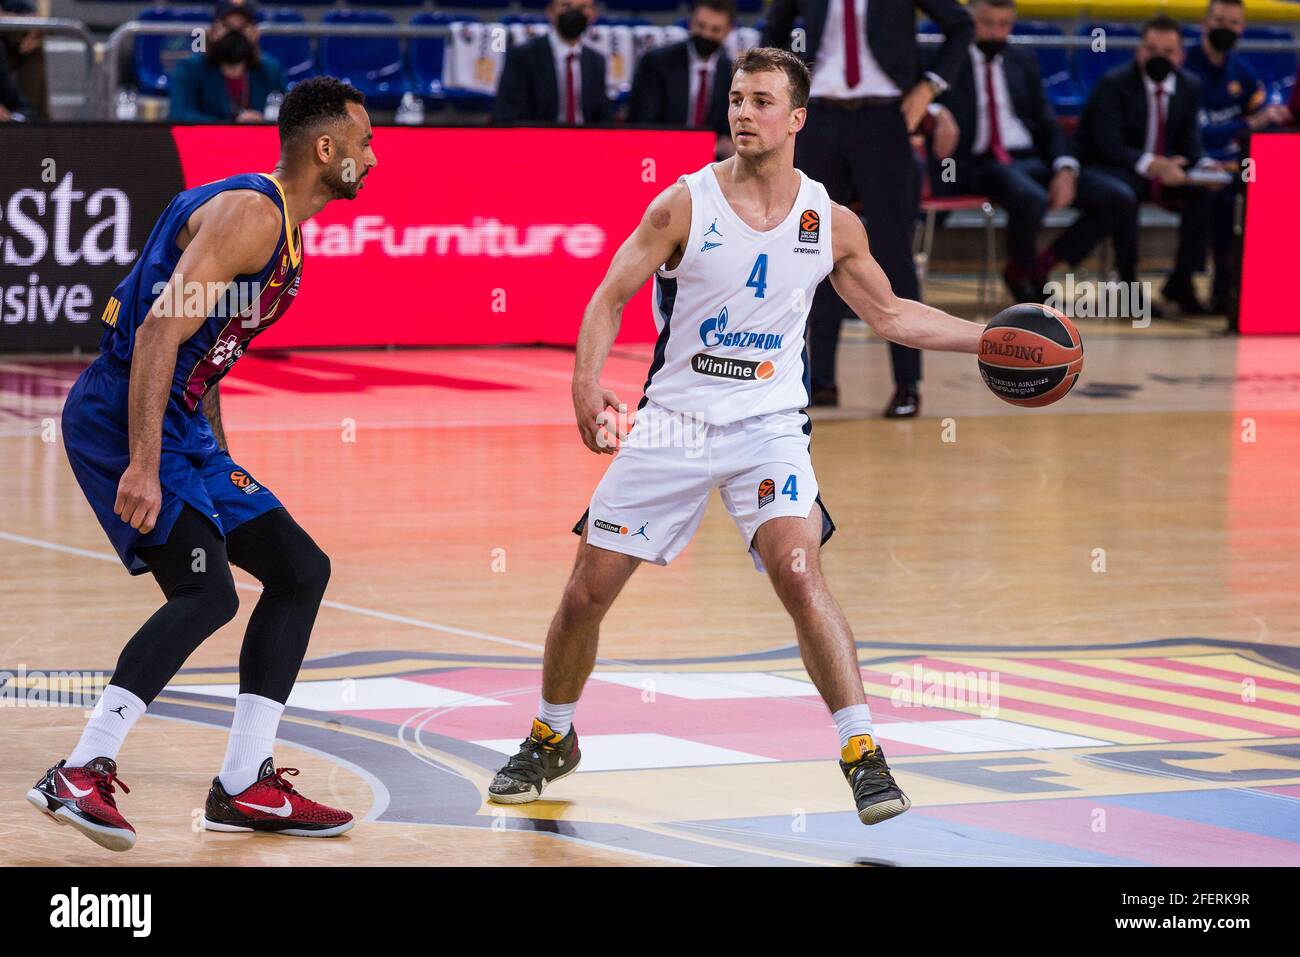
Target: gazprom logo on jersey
column 713, row 333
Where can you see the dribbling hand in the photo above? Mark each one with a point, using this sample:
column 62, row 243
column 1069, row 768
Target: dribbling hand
column 139, row 498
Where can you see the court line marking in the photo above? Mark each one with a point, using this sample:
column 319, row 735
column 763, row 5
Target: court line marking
column 336, row 605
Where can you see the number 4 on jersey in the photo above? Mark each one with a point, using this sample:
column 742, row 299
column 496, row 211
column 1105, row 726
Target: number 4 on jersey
column 758, row 276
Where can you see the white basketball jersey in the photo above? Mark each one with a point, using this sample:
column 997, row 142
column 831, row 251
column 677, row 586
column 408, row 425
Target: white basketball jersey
column 731, row 316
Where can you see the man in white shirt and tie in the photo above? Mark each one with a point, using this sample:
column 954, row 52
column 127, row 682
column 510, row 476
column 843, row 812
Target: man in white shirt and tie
column 869, row 92
column 1010, row 148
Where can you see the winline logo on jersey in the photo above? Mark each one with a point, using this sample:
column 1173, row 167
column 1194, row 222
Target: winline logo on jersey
column 714, row 335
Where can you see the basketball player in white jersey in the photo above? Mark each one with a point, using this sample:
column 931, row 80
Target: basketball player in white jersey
column 736, row 251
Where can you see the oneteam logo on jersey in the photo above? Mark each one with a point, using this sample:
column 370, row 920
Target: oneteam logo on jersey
column 714, row 334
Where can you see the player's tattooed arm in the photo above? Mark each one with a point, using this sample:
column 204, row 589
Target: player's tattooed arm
column 212, row 409
column 232, row 234
column 658, row 240
column 863, row 286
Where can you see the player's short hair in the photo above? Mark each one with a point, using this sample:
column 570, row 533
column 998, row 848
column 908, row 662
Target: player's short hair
column 765, row 59
column 314, row 102
column 1160, row 24
column 720, row 6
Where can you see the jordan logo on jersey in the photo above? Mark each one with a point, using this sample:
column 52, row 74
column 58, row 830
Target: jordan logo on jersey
column 711, row 231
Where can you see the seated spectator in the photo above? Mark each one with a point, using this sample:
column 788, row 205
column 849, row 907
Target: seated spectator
column 1233, row 103
column 554, row 78
column 25, row 53
column 687, row 83
column 1011, row 149
column 1140, row 125
column 231, row 78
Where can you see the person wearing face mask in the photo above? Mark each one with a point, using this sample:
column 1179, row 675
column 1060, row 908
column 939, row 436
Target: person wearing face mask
column 685, row 84
column 554, row 78
column 1140, row 125
column 1233, row 104
column 231, row 79
column 1009, row 147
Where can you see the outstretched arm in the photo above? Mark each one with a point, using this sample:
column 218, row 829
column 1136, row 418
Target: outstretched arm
column 863, row 286
column 664, row 229
column 232, row 234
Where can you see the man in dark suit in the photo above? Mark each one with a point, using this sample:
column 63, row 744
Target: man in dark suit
column 1011, row 149
column 1140, row 125
column 868, row 94
column 686, row 84
column 554, row 78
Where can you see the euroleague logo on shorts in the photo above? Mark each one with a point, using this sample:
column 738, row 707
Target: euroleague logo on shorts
column 810, row 225
column 244, row 482
column 766, row 492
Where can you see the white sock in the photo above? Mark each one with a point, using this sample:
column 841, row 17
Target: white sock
column 114, row 714
column 853, row 721
column 558, row 717
column 252, row 740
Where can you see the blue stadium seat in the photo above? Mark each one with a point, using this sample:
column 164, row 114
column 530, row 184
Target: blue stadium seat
column 1089, row 66
column 749, row 6
column 372, row 64
column 645, row 6
column 534, row 4
column 1054, row 66
column 385, row 3
column 1276, row 68
column 425, row 57
column 295, row 53
column 156, row 54
column 307, row 3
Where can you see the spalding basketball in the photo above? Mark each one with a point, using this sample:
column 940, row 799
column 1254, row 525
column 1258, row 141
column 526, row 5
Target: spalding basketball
column 1030, row 355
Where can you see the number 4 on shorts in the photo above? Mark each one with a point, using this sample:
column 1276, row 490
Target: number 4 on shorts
column 791, row 488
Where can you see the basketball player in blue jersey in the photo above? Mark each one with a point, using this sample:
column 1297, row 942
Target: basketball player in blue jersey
column 737, row 251
column 142, row 429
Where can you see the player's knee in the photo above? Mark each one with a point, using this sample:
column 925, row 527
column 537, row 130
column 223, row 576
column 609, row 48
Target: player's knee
column 220, row 601
column 798, row 588
column 582, row 602
column 313, row 573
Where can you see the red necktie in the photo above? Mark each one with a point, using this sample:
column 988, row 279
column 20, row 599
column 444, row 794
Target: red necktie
column 995, row 133
column 1159, row 149
column 852, row 69
column 571, row 92
column 701, row 115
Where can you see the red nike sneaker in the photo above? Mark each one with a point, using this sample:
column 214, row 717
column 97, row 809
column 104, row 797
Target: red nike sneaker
column 272, row 805
column 83, row 797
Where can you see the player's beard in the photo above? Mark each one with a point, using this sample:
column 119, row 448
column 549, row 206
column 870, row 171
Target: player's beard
column 340, row 186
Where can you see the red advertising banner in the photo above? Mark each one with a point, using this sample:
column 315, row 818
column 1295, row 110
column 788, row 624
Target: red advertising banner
column 1268, row 259
column 464, row 236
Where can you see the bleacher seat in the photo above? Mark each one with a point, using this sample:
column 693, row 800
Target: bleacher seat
column 1054, row 66
column 385, row 3
column 295, row 53
column 372, row 64
column 427, row 56
column 1277, row 68
column 155, row 54
column 1089, row 66
column 307, row 3
column 645, row 6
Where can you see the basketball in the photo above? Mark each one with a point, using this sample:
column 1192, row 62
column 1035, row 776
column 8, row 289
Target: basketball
column 1030, row 355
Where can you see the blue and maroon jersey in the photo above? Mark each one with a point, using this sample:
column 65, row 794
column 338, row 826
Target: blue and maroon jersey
column 254, row 302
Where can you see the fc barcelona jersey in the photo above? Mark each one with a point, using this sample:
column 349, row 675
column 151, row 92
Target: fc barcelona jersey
column 252, row 303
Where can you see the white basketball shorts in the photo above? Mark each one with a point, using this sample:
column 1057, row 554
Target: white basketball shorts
column 652, row 497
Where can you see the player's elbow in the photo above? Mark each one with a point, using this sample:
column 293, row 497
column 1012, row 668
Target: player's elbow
column 886, row 321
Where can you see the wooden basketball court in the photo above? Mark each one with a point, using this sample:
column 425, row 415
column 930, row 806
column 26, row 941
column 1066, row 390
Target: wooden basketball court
column 1078, row 626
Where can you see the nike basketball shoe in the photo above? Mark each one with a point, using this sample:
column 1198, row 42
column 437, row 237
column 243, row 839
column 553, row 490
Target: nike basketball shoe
column 544, row 757
column 875, row 792
column 83, row 797
column 271, row 804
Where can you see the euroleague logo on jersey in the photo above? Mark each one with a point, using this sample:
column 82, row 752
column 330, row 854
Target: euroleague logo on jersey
column 810, row 224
